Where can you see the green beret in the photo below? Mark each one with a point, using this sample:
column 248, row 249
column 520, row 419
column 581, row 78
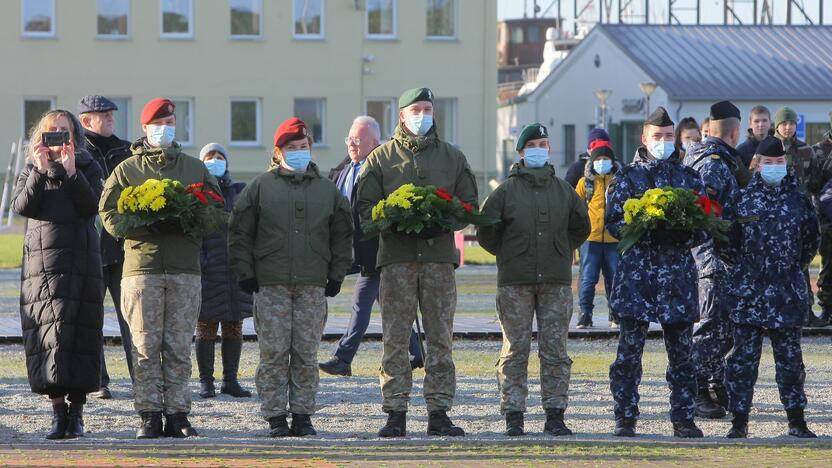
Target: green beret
column 784, row 114
column 533, row 131
column 414, row 95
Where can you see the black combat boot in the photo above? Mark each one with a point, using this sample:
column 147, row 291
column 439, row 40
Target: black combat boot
column 719, row 394
column 706, row 407
column 178, row 426
column 585, row 320
column 336, row 366
column 797, row 425
column 686, row 430
column 231, row 351
column 439, row 424
column 151, row 427
column 396, row 425
column 205, row 363
column 739, row 426
column 554, row 423
column 302, row 425
column 625, row 427
column 59, row 422
column 811, row 320
column 514, row 423
column 75, row 421
column 278, row 427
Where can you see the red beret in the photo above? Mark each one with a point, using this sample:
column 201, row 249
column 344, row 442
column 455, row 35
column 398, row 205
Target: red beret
column 290, row 130
column 157, row 109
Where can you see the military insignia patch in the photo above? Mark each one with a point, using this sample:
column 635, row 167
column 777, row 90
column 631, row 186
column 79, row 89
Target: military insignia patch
column 747, row 219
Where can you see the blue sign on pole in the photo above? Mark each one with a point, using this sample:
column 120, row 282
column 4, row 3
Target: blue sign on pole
column 801, row 127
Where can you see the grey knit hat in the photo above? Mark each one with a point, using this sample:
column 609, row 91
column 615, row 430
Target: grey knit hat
column 212, row 147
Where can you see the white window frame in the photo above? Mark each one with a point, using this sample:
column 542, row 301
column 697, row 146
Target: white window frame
column 38, row 34
column 190, row 126
column 382, row 37
column 322, row 142
column 453, row 119
column 455, row 36
column 310, row 37
column 25, row 131
column 114, row 37
column 394, row 115
column 258, row 123
column 187, row 35
column 247, row 37
column 125, row 111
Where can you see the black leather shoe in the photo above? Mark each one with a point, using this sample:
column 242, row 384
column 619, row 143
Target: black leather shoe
column 177, row 425
column 554, row 423
column 336, row 366
column 686, row 430
column 59, row 422
column 439, row 424
column 625, row 427
column 416, row 363
column 739, row 426
column 396, row 425
column 75, row 421
column 514, row 424
column 719, row 394
column 278, row 427
column 585, row 321
column 151, row 427
column 797, row 425
column 103, row 393
column 706, row 407
column 302, row 425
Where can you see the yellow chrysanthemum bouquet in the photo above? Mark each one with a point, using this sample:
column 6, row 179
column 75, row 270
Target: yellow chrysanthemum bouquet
column 670, row 209
column 198, row 210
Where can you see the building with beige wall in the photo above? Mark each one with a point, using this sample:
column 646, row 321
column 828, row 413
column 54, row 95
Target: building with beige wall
column 237, row 68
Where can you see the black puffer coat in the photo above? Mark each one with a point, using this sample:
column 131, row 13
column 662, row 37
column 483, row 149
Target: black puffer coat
column 222, row 299
column 62, row 292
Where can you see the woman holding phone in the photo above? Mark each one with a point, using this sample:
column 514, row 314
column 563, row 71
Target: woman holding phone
column 62, row 293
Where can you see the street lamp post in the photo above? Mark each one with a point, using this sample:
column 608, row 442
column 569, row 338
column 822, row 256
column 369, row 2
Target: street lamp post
column 602, row 95
column 647, row 88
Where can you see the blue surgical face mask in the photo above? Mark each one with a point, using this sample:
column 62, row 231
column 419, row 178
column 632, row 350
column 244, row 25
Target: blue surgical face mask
column 661, row 149
column 773, row 173
column 216, row 167
column 297, row 160
column 602, row 166
column 161, row 135
column 536, row 157
column 419, row 124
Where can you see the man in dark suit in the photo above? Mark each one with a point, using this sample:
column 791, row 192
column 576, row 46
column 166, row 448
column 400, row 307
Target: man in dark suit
column 364, row 136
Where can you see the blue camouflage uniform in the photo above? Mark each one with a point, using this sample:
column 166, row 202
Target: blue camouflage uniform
column 712, row 338
column 655, row 282
column 774, row 238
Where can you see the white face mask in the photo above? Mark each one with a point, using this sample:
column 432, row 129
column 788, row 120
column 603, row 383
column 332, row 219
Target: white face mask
column 419, row 124
column 160, row 135
column 662, row 149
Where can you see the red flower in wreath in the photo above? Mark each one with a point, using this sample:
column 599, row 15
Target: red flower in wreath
column 467, row 207
column 443, row 194
column 709, row 207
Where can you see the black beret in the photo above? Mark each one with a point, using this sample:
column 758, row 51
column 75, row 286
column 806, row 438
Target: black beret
column 95, row 103
column 659, row 118
column 771, row 147
column 415, row 95
column 533, row 131
column 724, row 110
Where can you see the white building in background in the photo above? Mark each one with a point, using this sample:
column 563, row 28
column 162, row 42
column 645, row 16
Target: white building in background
column 691, row 66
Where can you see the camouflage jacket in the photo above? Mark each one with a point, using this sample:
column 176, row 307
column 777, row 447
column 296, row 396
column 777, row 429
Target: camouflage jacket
column 653, row 282
column 821, row 165
column 775, row 237
column 799, row 156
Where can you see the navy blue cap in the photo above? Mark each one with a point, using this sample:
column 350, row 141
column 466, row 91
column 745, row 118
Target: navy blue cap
column 95, row 103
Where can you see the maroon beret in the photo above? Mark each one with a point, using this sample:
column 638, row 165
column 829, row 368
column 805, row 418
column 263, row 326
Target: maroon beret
column 290, row 130
column 157, row 109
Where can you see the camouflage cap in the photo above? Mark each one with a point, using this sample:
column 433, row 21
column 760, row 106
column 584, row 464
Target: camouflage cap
column 415, row 95
column 533, row 131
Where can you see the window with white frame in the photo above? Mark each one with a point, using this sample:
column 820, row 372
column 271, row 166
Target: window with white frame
column 33, row 110
column 385, row 112
column 313, row 113
column 245, row 122
column 177, row 18
column 184, row 120
column 441, row 19
column 444, row 116
column 38, row 18
column 113, row 16
column 122, row 117
column 308, row 18
column 381, row 19
column 246, row 18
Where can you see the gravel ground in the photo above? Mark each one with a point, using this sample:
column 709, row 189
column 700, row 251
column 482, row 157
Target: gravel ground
column 349, row 408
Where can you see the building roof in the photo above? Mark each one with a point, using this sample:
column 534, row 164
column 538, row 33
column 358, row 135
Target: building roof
column 714, row 62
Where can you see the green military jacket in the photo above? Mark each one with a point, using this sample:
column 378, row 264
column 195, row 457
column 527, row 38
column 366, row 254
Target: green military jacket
column 146, row 253
column 291, row 228
column 542, row 220
column 421, row 161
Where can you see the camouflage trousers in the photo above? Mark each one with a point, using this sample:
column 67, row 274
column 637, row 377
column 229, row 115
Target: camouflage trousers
column 161, row 311
column 430, row 287
column 825, row 277
column 289, row 321
column 744, row 363
column 516, row 308
column 712, row 337
column 625, row 372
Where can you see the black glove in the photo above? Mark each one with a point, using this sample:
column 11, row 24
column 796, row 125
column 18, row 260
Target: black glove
column 167, row 226
column 666, row 235
column 249, row 286
column 332, row 288
column 431, row 232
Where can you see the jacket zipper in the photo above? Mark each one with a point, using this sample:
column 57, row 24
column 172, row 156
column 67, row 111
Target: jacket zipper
column 604, row 219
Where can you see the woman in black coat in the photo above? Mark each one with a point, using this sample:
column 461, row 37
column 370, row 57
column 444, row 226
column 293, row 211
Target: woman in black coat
column 222, row 300
column 62, row 293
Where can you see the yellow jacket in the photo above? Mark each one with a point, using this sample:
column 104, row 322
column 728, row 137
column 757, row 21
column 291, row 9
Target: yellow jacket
column 597, row 207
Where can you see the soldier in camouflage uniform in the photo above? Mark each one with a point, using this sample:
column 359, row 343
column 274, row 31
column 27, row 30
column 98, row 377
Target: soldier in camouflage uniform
column 774, row 238
column 416, row 271
column 821, row 175
column 290, row 243
column 160, row 287
column 655, row 282
column 534, row 277
column 719, row 165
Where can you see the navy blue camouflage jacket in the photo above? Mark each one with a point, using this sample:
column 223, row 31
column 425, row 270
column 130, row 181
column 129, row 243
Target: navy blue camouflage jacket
column 774, row 238
column 654, row 282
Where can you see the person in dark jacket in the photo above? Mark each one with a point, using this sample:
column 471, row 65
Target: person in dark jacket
column 222, row 300
column 96, row 116
column 364, row 136
column 759, row 127
column 687, row 134
column 62, row 292
column 822, row 162
column 576, row 170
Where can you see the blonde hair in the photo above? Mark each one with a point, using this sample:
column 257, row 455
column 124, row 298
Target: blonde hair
column 37, row 131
